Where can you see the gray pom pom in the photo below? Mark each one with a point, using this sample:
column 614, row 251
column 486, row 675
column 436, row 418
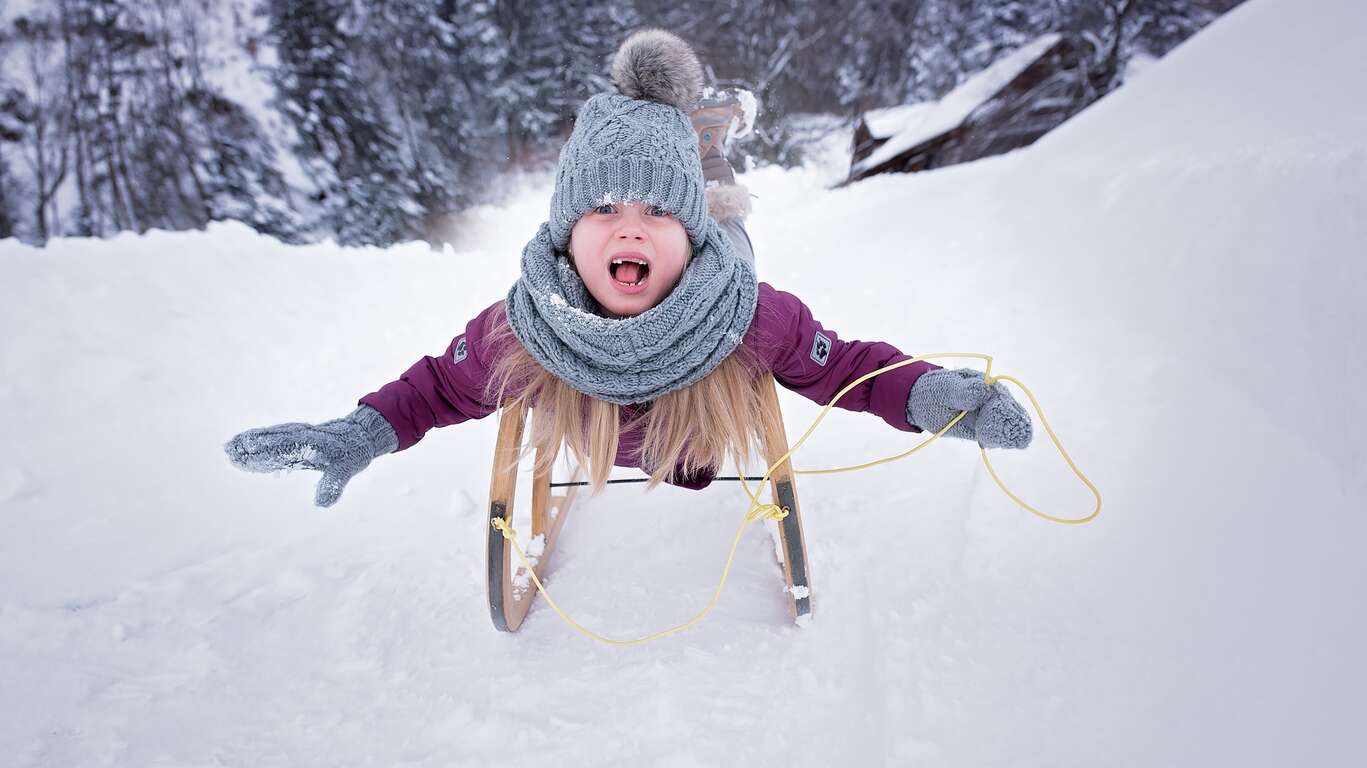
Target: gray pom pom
column 655, row 65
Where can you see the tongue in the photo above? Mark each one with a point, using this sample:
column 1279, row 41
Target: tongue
column 628, row 272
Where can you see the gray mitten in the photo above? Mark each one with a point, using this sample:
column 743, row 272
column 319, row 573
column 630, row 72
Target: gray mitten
column 339, row 449
column 994, row 418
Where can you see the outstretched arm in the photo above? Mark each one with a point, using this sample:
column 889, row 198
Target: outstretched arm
column 439, row 391
column 434, row 392
column 815, row 362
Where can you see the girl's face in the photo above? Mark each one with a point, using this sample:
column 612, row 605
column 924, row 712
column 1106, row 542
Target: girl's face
column 629, row 255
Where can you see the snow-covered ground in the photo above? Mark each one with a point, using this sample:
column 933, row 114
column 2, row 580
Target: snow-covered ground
column 1178, row 273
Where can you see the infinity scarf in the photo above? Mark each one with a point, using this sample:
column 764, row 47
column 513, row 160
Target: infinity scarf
column 632, row 359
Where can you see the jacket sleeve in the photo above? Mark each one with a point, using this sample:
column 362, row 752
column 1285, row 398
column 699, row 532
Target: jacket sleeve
column 815, row 362
column 439, row 391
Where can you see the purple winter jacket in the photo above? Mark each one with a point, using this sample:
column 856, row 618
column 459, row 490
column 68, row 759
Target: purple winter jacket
column 801, row 354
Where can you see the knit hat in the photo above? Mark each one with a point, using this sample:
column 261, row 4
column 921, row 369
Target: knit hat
column 637, row 145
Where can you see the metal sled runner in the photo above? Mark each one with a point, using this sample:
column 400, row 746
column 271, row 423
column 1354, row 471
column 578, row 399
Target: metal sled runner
column 511, row 591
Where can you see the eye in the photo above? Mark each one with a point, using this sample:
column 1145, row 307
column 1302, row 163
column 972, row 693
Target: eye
column 656, row 210
column 605, row 208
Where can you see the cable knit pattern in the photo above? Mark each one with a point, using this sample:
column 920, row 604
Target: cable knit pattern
column 633, row 359
column 339, row 449
column 994, row 419
column 382, row 437
column 626, row 149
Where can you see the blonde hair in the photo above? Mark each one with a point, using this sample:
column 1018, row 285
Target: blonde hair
column 690, row 429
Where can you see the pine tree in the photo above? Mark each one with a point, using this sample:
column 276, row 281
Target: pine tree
column 562, row 60
column 44, row 142
column 1160, row 25
column 242, row 182
column 93, row 102
column 366, row 194
column 12, row 129
column 219, row 164
column 8, row 186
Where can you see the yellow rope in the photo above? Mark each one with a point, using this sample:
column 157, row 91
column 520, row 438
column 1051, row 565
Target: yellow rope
column 759, row 511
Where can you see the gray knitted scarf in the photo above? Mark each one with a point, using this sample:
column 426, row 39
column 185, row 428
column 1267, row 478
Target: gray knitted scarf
column 632, row 359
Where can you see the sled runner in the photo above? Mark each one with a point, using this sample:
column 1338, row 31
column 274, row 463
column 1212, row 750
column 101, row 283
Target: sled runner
column 511, row 590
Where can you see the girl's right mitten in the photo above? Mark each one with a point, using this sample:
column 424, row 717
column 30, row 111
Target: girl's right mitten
column 339, row 449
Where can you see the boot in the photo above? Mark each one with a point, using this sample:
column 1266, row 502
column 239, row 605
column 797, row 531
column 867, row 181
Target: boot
column 717, row 114
column 712, row 122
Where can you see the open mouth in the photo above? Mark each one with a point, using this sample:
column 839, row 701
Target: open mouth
column 629, row 271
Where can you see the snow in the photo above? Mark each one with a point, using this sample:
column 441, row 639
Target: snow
column 13, row 9
column 885, row 123
column 750, row 109
column 522, row 580
column 743, row 122
column 1177, row 273
column 912, row 124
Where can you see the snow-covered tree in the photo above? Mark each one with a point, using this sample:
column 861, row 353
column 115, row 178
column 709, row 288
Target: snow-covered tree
column 43, row 115
column 99, row 41
column 11, row 130
column 367, row 193
column 242, row 182
column 404, row 110
column 559, row 60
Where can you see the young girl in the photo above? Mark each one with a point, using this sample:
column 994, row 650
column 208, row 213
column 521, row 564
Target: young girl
column 637, row 328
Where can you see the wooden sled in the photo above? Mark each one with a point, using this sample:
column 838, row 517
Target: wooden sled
column 511, row 591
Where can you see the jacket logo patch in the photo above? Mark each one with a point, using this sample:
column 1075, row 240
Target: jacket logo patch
column 459, row 353
column 821, row 348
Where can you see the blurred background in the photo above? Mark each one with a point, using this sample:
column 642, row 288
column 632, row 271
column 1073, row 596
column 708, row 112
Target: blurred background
column 374, row 123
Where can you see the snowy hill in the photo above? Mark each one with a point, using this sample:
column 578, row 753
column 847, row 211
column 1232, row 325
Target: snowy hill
column 1177, row 273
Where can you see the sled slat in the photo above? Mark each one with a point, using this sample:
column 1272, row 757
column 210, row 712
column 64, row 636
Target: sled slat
column 502, row 490
column 795, row 566
column 509, row 603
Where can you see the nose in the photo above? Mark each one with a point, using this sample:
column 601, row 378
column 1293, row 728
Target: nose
column 629, row 224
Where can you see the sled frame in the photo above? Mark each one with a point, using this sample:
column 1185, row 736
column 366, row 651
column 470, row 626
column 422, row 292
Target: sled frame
column 510, row 597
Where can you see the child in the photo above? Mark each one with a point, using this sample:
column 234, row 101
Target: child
column 638, row 328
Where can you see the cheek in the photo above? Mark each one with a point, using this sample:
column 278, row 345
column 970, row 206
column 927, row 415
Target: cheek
column 676, row 248
column 586, row 232
column 675, row 262
column 578, row 240
column 582, row 248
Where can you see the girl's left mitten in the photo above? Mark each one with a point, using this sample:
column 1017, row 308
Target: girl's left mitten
column 993, row 418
